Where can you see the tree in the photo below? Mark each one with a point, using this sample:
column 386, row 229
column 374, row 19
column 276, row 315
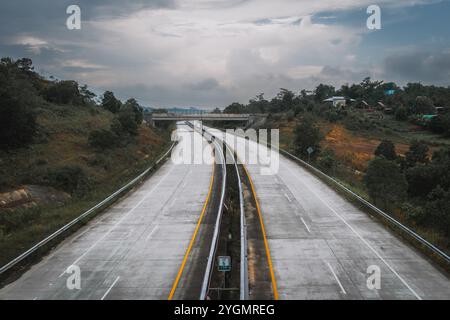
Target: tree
column 328, row 160
column 385, row 182
column 110, row 103
column 323, row 91
column 133, row 106
column 441, row 124
column 386, row 149
column 401, row 114
column 286, row 98
column 103, row 139
column 17, row 122
column 64, row 92
column 128, row 124
column 25, row 64
column 424, row 105
column 234, row 108
column 18, row 97
column 307, row 135
column 87, row 95
column 417, row 153
column 437, row 210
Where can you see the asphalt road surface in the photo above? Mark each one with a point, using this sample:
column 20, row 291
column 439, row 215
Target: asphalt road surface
column 132, row 251
column 322, row 247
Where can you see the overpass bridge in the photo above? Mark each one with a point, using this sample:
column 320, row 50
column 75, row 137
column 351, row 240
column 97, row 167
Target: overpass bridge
column 152, row 118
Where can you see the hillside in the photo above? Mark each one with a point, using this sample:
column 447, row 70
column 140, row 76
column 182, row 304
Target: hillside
column 60, row 170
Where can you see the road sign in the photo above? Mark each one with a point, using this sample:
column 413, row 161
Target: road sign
column 310, row 150
column 224, row 263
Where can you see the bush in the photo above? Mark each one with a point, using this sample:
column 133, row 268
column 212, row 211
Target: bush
column 401, row 114
column 386, row 149
column 358, row 123
column 64, row 92
column 71, row 179
column 128, row 124
column 385, row 182
column 17, row 122
column 413, row 213
column 441, row 124
column 103, row 139
column 417, row 153
column 422, row 179
column 16, row 219
column 437, row 210
column 327, row 161
column 110, row 103
column 307, row 135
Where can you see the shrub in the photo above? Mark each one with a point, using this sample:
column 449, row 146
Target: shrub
column 71, row 179
column 64, row 92
column 12, row 220
column 385, row 182
column 17, row 122
column 386, row 149
column 417, row 153
column 307, row 135
column 437, row 210
column 110, row 103
column 401, row 114
column 327, row 160
column 103, row 139
column 422, row 179
column 127, row 119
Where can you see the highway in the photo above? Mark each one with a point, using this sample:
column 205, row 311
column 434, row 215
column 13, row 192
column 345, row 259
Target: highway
column 156, row 243
column 323, row 247
column 135, row 249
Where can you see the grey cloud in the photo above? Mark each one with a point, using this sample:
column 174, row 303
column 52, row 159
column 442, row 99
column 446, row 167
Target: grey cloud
column 432, row 67
column 49, row 16
column 207, row 84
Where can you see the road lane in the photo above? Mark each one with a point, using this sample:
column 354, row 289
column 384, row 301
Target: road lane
column 134, row 249
column 322, row 246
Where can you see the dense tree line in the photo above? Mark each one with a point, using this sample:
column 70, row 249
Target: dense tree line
column 22, row 91
column 408, row 103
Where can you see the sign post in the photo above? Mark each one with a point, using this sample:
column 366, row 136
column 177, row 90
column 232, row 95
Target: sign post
column 310, row 150
column 224, row 266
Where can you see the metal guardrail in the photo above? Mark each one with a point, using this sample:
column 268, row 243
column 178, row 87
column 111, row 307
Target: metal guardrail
column 243, row 288
column 215, row 239
column 98, row 206
column 396, row 223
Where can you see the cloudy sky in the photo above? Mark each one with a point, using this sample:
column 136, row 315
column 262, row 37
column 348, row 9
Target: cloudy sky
column 210, row 53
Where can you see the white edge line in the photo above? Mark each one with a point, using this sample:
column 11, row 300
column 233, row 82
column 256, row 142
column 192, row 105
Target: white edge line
column 362, row 239
column 113, row 284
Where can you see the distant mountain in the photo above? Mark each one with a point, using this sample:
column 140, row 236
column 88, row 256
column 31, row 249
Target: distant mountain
column 175, row 110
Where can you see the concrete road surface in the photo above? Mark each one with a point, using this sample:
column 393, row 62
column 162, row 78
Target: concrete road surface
column 132, row 251
column 322, row 246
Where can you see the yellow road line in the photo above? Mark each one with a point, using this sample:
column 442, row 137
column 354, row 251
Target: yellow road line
column 191, row 243
column 266, row 244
